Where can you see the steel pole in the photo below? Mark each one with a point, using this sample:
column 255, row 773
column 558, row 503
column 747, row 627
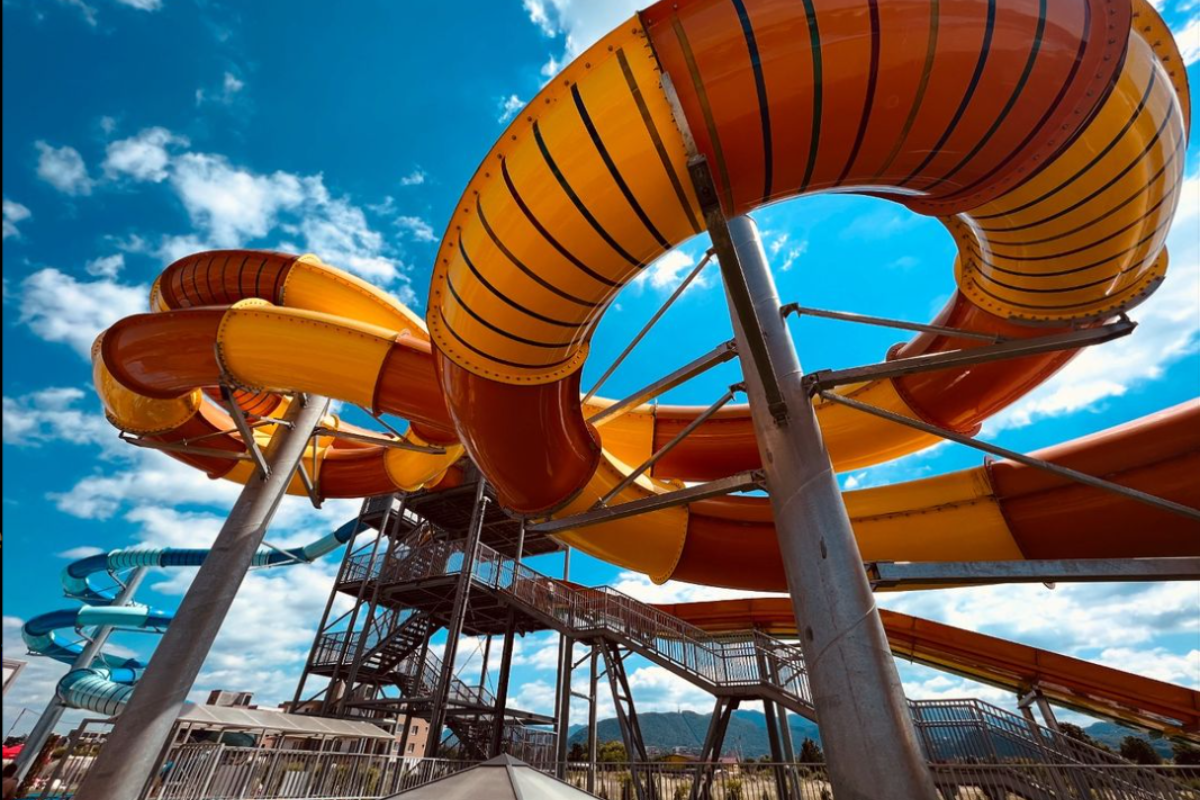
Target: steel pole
column 865, row 723
column 46, row 723
column 128, row 759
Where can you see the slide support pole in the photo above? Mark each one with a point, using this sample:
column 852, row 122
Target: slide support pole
column 130, row 755
column 865, row 723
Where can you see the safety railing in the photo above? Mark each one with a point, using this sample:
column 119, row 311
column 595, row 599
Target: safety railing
column 725, row 661
column 965, row 731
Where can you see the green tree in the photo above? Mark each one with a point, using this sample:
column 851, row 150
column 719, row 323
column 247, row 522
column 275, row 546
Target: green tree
column 1185, row 754
column 612, row 752
column 578, row 752
column 811, row 752
column 1139, row 751
column 1072, row 731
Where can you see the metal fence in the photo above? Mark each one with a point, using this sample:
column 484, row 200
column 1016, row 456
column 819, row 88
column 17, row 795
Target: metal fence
column 220, row 772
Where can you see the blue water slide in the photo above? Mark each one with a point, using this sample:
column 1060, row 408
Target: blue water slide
column 105, row 686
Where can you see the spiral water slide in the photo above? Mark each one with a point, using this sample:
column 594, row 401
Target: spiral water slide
column 105, row 686
column 1047, row 135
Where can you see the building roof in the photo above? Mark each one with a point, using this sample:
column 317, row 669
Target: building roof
column 240, row 718
column 502, row 778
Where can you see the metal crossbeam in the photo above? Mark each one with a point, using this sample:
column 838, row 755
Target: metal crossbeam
column 890, row 574
column 741, row 482
column 169, row 447
column 687, row 281
column 247, row 433
column 1057, row 469
column 817, row 382
column 671, row 445
column 884, row 322
column 723, row 352
column 382, row 441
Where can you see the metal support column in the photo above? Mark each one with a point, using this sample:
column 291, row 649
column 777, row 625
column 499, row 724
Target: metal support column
column 506, row 656
column 562, row 706
column 1047, row 712
column 127, row 760
column 593, row 713
column 710, row 751
column 44, row 727
column 775, row 741
column 437, row 716
column 865, row 723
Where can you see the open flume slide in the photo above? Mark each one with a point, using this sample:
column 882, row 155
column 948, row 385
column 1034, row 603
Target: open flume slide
column 1082, row 685
column 106, row 685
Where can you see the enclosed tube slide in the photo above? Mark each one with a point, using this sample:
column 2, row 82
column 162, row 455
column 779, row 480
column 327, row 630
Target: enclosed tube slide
column 1048, row 136
column 106, row 685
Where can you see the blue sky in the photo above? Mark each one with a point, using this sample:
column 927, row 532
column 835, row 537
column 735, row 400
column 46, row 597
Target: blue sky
column 140, row 130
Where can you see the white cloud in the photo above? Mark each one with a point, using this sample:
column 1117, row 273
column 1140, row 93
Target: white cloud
column 63, row 168
column 1188, row 40
column 53, row 415
column 143, row 5
column 640, row 587
column 1156, row 662
column 231, row 87
column 581, row 23
column 1168, row 330
column 106, row 266
column 414, row 178
column 14, row 213
column 232, row 204
column 666, row 272
column 59, row 308
column 143, row 157
column 508, row 107
column 87, row 12
column 1078, row 619
column 417, row 228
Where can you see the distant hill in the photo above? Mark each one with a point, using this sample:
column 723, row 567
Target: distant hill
column 685, row 730
column 747, row 734
column 1110, row 735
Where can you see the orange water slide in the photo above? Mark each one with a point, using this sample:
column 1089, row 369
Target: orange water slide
column 1071, row 682
column 1054, row 160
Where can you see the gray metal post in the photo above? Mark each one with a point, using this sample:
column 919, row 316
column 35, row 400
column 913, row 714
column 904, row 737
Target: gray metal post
column 562, row 707
column 127, row 760
column 593, row 711
column 55, row 708
column 454, row 628
column 1047, row 712
column 865, row 724
column 506, row 657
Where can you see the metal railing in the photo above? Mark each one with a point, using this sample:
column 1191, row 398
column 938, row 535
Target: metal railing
column 725, row 661
column 221, row 772
column 966, row 731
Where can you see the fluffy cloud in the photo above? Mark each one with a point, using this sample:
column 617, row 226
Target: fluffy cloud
column 14, row 213
column 59, row 308
column 231, row 204
column 106, row 266
column 143, row 5
column 1168, row 330
column 143, row 157
column 29, row 694
column 508, row 107
column 580, row 23
column 64, row 169
column 666, row 272
column 231, row 87
column 1188, row 39
column 417, row 228
column 415, row 178
column 53, row 415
